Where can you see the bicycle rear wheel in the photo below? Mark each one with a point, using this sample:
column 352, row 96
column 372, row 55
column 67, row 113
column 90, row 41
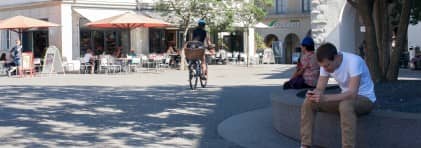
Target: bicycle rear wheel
column 203, row 82
column 192, row 78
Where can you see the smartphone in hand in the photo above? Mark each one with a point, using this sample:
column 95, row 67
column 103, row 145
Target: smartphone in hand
column 310, row 92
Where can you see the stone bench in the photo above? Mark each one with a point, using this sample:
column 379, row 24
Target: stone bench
column 382, row 129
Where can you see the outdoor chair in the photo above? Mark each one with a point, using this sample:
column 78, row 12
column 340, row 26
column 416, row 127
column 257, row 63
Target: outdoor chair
column 243, row 58
column 114, row 65
column 66, row 64
column 165, row 63
column 231, row 58
column 146, row 62
column 223, row 56
column 37, row 64
column 84, row 66
column 255, row 59
column 134, row 64
column 103, row 65
column 158, row 61
column 108, row 64
column 235, row 56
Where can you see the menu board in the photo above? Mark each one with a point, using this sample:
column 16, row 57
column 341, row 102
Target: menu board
column 52, row 61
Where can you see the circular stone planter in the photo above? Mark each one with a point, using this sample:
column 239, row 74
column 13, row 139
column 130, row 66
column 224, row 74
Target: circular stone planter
column 385, row 129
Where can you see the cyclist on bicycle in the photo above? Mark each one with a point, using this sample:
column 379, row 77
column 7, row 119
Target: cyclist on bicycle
column 200, row 34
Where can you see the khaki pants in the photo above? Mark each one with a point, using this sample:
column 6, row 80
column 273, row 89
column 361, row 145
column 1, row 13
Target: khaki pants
column 348, row 111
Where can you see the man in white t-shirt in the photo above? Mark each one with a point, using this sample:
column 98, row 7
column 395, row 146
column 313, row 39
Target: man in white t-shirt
column 88, row 60
column 357, row 96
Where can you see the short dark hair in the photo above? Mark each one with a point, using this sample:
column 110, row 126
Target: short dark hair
column 326, row 51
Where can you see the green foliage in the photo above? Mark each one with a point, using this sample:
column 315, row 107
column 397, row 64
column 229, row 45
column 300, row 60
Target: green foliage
column 263, row 3
column 187, row 12
column 415, row 12
column 396, row 5
column 219, row 14
column 221, row 18
column 250, row 13
column 260, row 44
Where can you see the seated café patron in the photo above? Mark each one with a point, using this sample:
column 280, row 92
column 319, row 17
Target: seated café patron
column 171, row 50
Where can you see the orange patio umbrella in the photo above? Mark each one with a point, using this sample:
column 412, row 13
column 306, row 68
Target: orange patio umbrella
column 128, row 21
column 22, row 23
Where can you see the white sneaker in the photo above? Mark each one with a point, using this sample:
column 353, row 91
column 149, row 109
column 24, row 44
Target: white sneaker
column 9, row 73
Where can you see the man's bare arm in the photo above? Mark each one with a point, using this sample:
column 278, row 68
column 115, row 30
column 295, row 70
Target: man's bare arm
column 321, row 84
column 351, row 93
column 314, row 95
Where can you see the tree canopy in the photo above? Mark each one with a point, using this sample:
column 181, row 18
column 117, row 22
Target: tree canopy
column 219, row 14
column 415, row 12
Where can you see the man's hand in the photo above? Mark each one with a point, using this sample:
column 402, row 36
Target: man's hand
column 314, row 95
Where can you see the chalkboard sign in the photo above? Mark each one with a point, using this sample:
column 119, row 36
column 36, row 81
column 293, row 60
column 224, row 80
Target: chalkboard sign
column 52, row 61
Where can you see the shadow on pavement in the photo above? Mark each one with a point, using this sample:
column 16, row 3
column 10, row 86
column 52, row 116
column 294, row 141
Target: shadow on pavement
column 171, row 116
column 283, row 72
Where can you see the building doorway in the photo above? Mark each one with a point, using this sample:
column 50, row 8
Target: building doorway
column 171, row 38
column 36, row 42
column 291, row 42
column 269, row 39
column 234, row 41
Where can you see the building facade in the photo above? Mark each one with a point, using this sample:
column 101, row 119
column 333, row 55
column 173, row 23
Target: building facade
column 332, row 21
column 414, row 38
column 337, row 22
column 289, row 22
column 73, row 37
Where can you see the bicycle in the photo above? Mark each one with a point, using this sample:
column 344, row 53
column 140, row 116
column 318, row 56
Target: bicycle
column 194, row 52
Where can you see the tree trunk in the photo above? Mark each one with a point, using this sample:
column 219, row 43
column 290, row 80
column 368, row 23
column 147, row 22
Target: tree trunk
column 365, row 9
column 384, row 36
column 393, row 72
column 378, row 26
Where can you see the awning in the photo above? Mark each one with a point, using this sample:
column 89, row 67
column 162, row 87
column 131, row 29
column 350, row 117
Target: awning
column 258, row 25
column 98, row 14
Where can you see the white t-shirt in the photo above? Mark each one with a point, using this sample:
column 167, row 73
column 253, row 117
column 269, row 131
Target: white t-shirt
column 351, row 66
column 87, row 57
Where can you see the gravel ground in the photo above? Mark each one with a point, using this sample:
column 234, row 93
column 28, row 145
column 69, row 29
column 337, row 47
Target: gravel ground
column 131, row 110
